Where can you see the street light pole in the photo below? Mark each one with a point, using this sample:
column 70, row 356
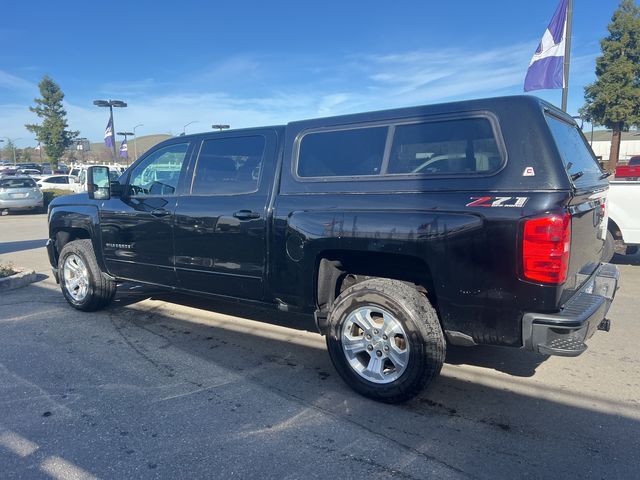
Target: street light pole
column 80, row 141
column 135, row 146
column 185, row 126
column 39, row 148
column 111, row 104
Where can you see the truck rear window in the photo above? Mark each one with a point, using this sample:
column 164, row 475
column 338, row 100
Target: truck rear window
column 342, row 153
column 17, row 183
column 577, row 157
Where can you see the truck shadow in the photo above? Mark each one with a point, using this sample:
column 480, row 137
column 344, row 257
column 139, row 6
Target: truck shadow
column 512, row 361
column 477, row 427
column 276, row 388
column 626, row 259
column 11, row 247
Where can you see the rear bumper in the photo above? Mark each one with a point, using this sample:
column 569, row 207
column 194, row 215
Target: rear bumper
column 564, row 333
column 21, row 204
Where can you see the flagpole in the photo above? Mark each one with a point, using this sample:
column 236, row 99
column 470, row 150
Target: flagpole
column 567, row 55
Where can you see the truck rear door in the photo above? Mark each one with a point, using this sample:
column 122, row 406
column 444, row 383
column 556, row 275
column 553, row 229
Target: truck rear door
column 587, row 206
column 220, row 241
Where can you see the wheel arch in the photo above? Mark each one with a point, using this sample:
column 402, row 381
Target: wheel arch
column 612, row 226
column 68, row 223
column 336, row 270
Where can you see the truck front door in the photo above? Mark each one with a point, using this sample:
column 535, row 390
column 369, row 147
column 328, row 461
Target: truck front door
column 220, row 225
column 137, row 227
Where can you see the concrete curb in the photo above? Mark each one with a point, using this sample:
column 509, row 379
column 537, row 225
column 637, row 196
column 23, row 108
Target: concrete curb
column 20, row 279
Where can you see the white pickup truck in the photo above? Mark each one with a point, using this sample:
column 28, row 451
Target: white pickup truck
column 81, row 184
column 623, row 204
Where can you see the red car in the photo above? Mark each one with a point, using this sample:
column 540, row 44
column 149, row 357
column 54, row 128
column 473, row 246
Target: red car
column 631, row 171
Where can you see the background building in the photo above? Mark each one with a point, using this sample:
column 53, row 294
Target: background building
column 601, row 145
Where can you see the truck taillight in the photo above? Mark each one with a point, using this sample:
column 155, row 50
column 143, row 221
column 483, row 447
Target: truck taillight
column 545, row 248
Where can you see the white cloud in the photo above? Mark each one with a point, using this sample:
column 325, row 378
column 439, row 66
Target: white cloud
column 249, row 91
column 128, row 88
column 16, row 84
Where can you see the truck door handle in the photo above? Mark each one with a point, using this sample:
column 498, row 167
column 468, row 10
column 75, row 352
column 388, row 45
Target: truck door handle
column 246, row 215
column 160, row 212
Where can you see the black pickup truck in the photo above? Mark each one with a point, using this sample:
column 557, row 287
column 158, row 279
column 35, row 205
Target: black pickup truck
column 399, row 231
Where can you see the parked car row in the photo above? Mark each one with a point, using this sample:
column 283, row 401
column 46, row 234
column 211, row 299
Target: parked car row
column 630, row 171
column 59, row 182
column 74, row 181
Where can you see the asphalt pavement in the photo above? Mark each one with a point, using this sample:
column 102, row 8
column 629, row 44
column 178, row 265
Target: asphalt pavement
column 155, row 388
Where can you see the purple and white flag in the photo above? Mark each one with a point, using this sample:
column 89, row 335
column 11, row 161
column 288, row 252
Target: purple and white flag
column 109, row 137
column 123, row 149
column 546, row 69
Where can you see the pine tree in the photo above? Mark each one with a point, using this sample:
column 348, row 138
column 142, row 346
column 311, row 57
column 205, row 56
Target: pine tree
column 9, row 151
column 52, row 133
column 613, row 100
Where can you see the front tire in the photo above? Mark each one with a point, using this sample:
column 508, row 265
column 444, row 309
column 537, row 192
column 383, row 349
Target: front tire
column 385, row 340
column 81, row 280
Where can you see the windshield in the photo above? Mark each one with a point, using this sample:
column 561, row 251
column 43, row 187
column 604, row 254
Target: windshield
column 17, row 183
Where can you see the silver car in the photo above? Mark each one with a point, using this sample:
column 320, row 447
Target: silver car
column 19, row 193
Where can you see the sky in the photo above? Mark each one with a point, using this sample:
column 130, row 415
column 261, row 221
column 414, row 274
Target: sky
column 264, row 63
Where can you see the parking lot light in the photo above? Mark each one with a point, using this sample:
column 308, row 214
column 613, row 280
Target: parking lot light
column 135, row 146
column 111, row 104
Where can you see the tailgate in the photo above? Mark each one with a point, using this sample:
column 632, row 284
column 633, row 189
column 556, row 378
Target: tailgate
column 588, row 232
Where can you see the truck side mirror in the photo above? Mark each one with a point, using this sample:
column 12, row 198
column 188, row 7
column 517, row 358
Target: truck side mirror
column 98, row 183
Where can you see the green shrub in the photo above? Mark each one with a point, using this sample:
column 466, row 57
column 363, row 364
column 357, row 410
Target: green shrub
column 6, row 270
column 50, row 194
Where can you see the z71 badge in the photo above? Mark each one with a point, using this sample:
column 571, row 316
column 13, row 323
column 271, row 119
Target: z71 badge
column 513, row 202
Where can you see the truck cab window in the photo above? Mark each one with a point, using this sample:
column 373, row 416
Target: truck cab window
column 158, row 174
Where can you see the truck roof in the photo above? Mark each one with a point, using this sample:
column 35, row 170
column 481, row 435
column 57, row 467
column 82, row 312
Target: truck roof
column 440, row 108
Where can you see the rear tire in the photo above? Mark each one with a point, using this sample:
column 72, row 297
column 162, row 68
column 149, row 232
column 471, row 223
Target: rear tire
column 385, row 340
column 81, row 280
